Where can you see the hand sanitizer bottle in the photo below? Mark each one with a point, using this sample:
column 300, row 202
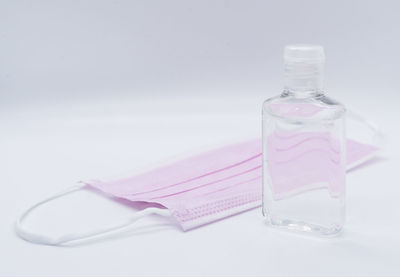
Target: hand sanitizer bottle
column 304, row 151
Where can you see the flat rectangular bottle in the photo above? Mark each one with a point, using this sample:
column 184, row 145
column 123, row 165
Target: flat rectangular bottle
column 304, row 150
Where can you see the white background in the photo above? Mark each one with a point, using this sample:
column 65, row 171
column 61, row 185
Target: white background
column 93, row 88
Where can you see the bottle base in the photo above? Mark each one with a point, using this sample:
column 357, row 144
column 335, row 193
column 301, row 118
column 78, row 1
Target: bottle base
column 305, row 228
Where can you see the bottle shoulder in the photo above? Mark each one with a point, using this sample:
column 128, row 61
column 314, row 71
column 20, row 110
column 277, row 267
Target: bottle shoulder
column 316, row 107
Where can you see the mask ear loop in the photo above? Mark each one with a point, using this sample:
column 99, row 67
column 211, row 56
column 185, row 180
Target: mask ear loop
column 42, row 239
column 378, row 138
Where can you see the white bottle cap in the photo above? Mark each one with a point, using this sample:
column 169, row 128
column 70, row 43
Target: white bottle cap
column 304, row 68
column 304, row 53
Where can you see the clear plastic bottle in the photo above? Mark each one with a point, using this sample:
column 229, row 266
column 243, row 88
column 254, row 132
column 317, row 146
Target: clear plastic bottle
column 304, row 151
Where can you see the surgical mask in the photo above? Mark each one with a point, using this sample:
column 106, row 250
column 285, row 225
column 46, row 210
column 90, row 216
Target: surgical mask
column 193, row 192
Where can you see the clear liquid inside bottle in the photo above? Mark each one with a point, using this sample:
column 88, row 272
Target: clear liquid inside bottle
column 304, row 159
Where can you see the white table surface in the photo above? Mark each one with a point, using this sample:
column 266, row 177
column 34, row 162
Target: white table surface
column 46, row 147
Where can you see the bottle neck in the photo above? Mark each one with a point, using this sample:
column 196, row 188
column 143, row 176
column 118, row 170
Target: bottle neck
column 303, row 79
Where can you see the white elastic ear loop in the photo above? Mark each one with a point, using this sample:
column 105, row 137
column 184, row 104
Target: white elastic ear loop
column 377, row 137
column 42, row 239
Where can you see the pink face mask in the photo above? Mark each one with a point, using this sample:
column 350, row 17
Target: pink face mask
column 193, row 191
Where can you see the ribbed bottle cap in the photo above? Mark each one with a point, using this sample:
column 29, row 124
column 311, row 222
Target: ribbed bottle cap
column 304, row 67
column 304, row 53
